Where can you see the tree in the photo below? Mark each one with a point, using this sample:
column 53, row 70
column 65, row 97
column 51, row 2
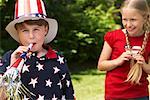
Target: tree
column 82, row 25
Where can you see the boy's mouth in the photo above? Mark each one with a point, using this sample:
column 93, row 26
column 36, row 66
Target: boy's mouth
column 34, row 44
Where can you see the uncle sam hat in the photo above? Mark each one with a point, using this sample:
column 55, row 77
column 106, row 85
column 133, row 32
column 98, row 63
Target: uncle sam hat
column 31, row 10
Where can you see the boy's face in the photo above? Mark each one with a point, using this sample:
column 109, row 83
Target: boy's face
column 32, row 34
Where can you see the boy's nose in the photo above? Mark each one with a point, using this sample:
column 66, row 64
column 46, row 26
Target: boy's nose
column 31, row 35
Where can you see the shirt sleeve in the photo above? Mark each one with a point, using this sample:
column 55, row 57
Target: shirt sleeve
column 5, row 62
column 68, row 91
column 109, row 38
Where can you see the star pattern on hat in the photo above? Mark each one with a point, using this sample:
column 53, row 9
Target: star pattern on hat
column 60, row 59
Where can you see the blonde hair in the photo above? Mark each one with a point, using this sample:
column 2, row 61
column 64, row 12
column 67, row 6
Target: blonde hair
column 143, row 7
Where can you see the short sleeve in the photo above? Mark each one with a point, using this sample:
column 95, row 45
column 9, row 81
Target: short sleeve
column 109, row 38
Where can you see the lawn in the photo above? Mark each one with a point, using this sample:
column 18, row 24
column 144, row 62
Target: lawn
column 89, row 84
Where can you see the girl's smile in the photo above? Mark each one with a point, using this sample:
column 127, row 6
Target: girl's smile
column 132, row 21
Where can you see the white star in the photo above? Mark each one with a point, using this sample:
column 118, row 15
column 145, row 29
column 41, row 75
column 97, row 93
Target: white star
column 1, row 62
column 68, row 83
column 25, row 68
column 33, row 82
column 40, row 97
column 56, row 70
column 25, row 98
column 39, row 66
column 48, row 83
column 42, row 58
column 8, row 67
column 33, row 54
column 60, row 85
column 63, row 97
column 60, row 59
column 54, row 98
column 63, row 76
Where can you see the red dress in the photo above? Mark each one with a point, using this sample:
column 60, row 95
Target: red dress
column 115, row 85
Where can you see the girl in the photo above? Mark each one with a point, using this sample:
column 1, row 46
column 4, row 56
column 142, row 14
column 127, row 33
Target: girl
column 124, row 48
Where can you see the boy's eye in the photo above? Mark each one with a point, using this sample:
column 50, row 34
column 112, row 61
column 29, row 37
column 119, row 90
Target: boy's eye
column 24, row 30
column 36, row 29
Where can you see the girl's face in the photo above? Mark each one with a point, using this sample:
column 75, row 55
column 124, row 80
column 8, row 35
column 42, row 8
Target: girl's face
column 132, row 21
column 32, row 34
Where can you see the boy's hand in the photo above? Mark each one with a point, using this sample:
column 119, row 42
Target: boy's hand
column 12, row 73
column 16, row 54
column 3, row 94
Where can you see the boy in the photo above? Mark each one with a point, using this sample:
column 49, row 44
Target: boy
column 44, row 72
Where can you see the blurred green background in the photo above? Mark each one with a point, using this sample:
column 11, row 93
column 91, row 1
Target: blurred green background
column 82, row 25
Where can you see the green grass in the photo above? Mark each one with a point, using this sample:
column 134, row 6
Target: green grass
column 89, row 84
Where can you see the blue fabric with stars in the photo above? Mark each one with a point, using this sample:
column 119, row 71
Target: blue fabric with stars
column 47, row 78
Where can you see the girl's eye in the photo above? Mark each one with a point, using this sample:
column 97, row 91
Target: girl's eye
column 133, row 19
column 124, row 19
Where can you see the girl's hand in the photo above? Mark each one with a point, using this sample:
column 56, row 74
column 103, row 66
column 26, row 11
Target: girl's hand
column 125, row 56
column 16, row 54
column 140, row 59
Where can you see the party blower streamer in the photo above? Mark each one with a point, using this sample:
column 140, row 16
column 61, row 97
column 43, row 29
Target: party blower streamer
column 10, row 83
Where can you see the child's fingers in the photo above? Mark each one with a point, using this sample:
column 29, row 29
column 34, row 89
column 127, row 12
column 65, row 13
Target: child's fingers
column 16, row 54
column 140, row 62
column 140, row 59
column 126, row 59
column 20, row 50
column 127, row 55
column 28, row 54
